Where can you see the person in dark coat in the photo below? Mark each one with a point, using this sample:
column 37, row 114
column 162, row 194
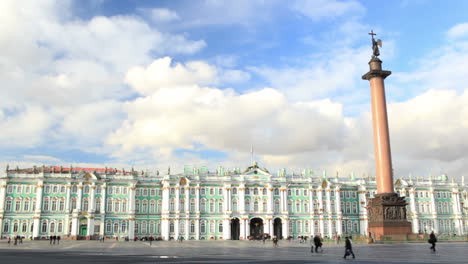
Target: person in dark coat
column 317, row 244
column 58, row 240
column 348, row 248
column 432, row 240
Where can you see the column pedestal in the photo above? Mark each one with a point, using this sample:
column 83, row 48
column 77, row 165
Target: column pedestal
column 387, row 217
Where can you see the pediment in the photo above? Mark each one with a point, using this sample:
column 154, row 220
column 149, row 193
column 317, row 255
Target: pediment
column 88, row 176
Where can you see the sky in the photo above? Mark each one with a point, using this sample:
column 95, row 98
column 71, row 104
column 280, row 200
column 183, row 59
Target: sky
column 153, row 84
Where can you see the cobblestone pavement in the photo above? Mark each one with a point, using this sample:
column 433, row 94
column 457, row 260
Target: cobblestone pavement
column 70, row 252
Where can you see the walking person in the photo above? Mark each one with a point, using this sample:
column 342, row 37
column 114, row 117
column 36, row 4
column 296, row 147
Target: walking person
column 50, row 240
column 348, row 248
column 432, row 240
column 275, row 241
column 317, row 244
column 58, row 240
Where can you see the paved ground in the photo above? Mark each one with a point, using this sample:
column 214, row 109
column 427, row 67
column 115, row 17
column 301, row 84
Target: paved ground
column 70, row 252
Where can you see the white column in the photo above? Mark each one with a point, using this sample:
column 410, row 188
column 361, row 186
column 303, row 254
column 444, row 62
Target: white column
column 91, row 207
column 90, row 230
column 312, row 228
column 165, row 229
column 131, row 228
column 197, row 199
column 283, row 197
column 37, row 210
column 74, row 231
column 271, row 227
column 457, row 212
column 362, row 210
column 165, row 198
column 435, row 221
column 187, row 227
column 197, row 229
column 285, row 228
column 339, row 223
column 225, row 200
column 320, row 199
column 242, row 229
column 321, row 226
column 270, row 199
column 241, row 202
column 176, row 228
column 187, row 202
column 226, row 229
column 328, row 203
column 80, row 196
column 414, row 222
column 2, row 203
column 103, row 209
column 177, row 198
column 2, row 199
column 247, row 228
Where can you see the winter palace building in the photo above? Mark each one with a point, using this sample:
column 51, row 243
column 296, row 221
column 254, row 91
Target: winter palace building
column 198, row 204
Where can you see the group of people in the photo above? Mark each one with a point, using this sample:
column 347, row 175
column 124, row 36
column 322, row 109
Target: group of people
column 18, row 239
column 54, row 239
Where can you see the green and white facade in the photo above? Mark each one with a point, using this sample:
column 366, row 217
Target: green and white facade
column 202, row 205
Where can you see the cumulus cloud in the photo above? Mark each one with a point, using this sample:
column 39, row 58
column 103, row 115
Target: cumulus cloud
column 458, row 31
column 162, row 14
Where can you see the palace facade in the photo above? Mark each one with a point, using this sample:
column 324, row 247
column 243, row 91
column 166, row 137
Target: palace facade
column 198, row 204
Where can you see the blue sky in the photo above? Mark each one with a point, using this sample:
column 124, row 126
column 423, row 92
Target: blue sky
column 153, row 84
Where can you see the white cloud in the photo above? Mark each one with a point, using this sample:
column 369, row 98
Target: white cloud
column 162, row 15
column 42, row 158
column 458, row 31
column 323, row 9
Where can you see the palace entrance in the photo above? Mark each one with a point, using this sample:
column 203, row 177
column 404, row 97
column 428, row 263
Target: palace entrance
column 235, row 229
column 83, row 230
column 256, row 228
column 278, row 228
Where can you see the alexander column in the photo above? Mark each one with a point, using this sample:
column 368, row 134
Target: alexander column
column 387, row 211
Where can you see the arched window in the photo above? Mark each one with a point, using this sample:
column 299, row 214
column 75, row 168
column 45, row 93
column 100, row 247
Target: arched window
column 46, row 205
column 60, row 227
column 203, row 227
column 192, row 227
column 212, row 206
column 85, row 205
column 203, row 205
column 15, row 227
column 276, row 192
column 151, row 227
column 73, row 205
column 137, row 206
column 234, row 206
column 124, row 205
column 62, row 205
column 158, row 206
column 54, row 205
column 234, row 191
column 6, row 227
column 17, row 205
column 264, row 191
column 307, row 227
column 124, row 227
column 24, row 227
column 220, row 206
column 171, row 227
column 256, row 191
column 145, row 206
column 86, row 189
column 256, row 206
column 192, row 205
column 8, row 205
column 247, row 205
column 26, row 205
column 289, row 205
column 172, row 205
column 298, row 207
column 182, row 205
column 220, row 227
column 247, row 191
column 97, row 205
column 152, row 208
column 117, row 206
column 116, row 227
column 98, row 189
column 52, row 227
column 62, row 188
column 44, row 227
column 212, row 227
column 277, row 206
column 74, row 189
